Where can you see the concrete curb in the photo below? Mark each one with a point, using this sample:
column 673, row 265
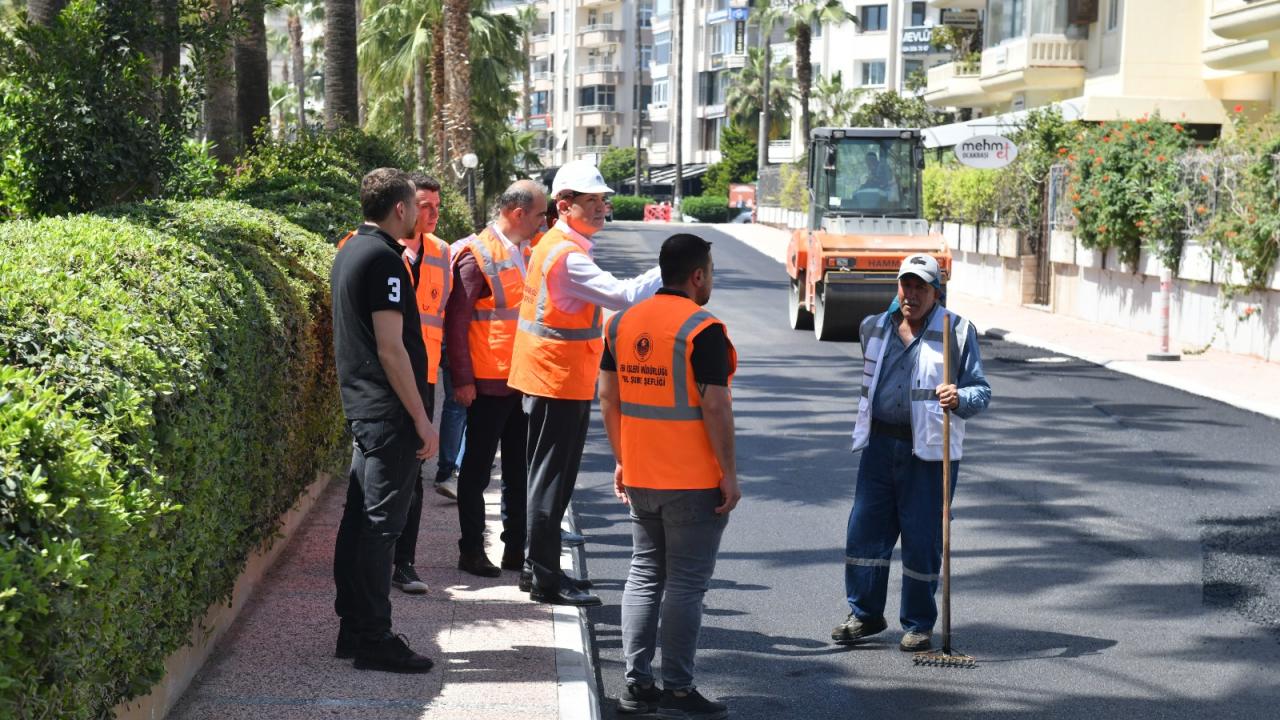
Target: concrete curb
column 1138, row 369
column 579, row 695
column 181, row 667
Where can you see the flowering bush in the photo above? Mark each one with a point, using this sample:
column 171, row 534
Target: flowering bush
column 1124, row 187
column 1245, row 225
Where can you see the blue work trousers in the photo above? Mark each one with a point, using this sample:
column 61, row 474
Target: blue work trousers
column 453, row 426
column 897, row 494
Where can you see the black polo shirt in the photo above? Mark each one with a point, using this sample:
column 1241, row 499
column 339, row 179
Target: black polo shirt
column 368, row 276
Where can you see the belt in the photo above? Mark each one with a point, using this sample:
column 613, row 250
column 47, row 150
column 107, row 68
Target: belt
column 897, row 432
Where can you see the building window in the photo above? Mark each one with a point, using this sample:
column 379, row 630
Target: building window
column 662, row 8
column 661, row 92
column 1113, row 15
column 873, row 18
column 661, row 48
column 711, row 133
column 721, row 40
column 644, row 97
column 815, row 29
column 919, row 14
column 712, row 87
column 646, row 14
column 873, row 72
column 540, row 103
column 597, row 96
column 911, row 68
column 646, row 55
column 551, row 23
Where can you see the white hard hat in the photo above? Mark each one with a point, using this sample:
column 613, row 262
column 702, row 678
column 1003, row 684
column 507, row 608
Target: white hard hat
column 579, row 176
column 924, row 267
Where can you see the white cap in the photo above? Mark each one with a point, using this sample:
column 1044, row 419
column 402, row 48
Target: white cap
column 579, row 176
column 924, row 267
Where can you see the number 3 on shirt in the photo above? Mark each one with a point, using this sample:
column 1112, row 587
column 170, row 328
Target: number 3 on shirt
column 394, row 284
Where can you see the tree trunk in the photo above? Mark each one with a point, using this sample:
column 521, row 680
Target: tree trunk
column 43, row 12
column 677, row 51
column 457, row 50
column 362, row 100
column 527, row 89
column 804, row 77
column 341, row 96
column 421, row 112
column 299, row 68
column 762, row 139
column 439, row 99
column 170, row 57
column 410, row 109
column 253, row 73
column 220, row 94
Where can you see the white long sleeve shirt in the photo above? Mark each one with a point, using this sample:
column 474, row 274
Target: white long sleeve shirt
column 580, row 281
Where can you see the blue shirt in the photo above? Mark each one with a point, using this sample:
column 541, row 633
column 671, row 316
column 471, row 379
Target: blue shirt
column 892, row 401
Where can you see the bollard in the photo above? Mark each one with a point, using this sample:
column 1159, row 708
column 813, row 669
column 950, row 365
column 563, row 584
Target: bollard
column 1166, row 290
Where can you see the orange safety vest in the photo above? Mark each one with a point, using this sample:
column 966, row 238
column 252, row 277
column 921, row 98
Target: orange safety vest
column 492, row 332
column 556, row 353
column 664, row 444
column 435, row 278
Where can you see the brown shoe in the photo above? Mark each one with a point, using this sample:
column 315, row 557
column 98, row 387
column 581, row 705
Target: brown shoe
column 477, row 563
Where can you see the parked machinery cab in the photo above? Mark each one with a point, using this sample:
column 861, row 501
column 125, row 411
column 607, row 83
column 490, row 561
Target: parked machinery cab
column 865, row 217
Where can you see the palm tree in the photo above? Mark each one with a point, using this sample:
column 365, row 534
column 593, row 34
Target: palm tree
column 295, row 13
column 835, row 102
column 742, row 100
column 341, row 96
column 457, row 55
column 807, row 14
column 43, row 12
column 767, row 15
column 395, row 46
column 677, row 52
column 220, row 92
column 253, row 71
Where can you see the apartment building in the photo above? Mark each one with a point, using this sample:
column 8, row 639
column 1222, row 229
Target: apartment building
column 1192, row 60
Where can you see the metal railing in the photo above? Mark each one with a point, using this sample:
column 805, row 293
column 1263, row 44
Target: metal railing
column 611, row 107
column 599, row 67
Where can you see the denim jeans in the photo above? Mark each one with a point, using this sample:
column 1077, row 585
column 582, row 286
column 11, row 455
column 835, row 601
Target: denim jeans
column 453, row 425
column 675, row 537
column 897, row 494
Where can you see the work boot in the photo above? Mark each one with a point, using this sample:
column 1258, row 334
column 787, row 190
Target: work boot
column 916, row 641
column 477, row 563
column 853, row 629
column 405, row 579
column 513, row 559
column 691, row 705
column 390, row 654
column 639, row 699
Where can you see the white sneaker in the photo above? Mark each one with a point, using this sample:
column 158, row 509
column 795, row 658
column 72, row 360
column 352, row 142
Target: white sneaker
column 448, row 488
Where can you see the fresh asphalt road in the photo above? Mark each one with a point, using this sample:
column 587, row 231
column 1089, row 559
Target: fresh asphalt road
column 1115, row 543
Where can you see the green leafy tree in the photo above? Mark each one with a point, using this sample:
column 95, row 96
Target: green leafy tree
column 889, row 109
column 742, row 100
column 618, row 165
column 737, row 162
column 835, row 102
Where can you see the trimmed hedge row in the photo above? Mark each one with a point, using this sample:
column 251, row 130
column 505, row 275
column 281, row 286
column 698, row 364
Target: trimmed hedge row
column 707, row 208
column 166, row 391
column 629, row 207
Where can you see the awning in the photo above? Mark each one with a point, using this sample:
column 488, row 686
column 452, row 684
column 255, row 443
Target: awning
column 666, row 174
column 1094, row 108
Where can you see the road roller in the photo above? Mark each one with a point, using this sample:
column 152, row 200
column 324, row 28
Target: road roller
column 865, row 216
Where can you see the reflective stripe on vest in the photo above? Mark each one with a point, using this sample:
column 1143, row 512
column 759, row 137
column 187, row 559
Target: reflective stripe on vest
column 434, row 274
column 683, row 409
column 538, row 325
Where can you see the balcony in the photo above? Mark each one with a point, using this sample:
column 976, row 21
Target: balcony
column 540, row 45
column 711, row 111
column 597, row 116
column 536, row 122
column 591, row 150
column 596, row 3
column 599, row 73
column 1245, row 20
column 1040, row 62
column 600, row 34
column 958, row 4
column 956, row 84
column 781, row 151
column 543, row 81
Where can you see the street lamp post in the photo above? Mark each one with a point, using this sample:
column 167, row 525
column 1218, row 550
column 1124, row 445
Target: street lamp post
column 470, row 162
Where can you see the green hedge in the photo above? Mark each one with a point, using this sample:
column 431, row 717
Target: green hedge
column 958, row 194
column 166, row 391
column 707, row 208
column 630, row 207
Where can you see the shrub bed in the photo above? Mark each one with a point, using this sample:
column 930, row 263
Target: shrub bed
column 630, row 207
column 707, row 208
column 166, row 391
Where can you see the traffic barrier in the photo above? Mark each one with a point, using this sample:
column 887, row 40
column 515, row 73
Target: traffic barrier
column 657, row 213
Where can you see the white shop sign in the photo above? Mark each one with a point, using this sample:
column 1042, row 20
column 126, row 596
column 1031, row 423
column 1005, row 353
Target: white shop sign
column 989, row 152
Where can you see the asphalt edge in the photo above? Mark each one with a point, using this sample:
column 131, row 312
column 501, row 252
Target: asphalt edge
column 1135, row 368
column 577, row 691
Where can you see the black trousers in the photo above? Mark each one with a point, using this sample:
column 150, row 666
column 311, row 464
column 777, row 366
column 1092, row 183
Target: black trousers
column 407, row 545
column 557, row 433
column 379, row 490
column 493, row 421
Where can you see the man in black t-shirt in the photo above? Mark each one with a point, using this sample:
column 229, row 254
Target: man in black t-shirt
column 381, row 360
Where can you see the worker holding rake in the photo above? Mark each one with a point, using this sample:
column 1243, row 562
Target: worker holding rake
column 911, row 447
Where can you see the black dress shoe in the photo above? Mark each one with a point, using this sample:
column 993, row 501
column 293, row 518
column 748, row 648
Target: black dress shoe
column 513, row 561
column 564, row 595
column 390, row 654
column 526, row 581
column 477, row 563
